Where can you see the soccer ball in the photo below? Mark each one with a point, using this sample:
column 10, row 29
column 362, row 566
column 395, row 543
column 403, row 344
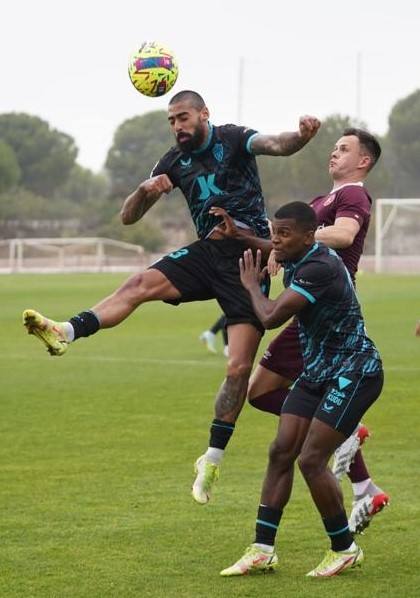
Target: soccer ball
column 153, row 69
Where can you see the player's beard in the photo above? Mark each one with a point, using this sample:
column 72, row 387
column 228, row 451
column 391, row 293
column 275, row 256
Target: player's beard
column 192, row 142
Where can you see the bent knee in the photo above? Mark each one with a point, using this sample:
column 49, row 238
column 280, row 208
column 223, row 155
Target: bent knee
column 311, row 464
column 237, row 368
column 280, row 455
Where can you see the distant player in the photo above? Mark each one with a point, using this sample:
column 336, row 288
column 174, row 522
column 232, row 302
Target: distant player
column 212, row 166
column 208, row 337
column 342, row 376
column 417, row 329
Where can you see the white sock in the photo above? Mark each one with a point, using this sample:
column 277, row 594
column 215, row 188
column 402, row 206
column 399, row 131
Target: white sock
column 214, row 455
column 361, row 488
column 69, row 331
column 265, row 547
column 351, row 548
column 374, row 489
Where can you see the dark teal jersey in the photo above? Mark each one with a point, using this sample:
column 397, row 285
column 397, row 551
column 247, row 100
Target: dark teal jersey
column 331, row 327
column 223, row 173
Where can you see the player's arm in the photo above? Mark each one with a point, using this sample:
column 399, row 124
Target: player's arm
column 228, row 228
column 144, row 197
column 417, row 328
column 271, row 313
column 339, row 235
column 286, row 143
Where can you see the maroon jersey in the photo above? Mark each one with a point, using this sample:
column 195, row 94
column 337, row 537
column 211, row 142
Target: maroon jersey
column 349, row 201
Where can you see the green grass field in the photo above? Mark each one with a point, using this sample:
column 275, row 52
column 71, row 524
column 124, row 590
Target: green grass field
column 97, row 449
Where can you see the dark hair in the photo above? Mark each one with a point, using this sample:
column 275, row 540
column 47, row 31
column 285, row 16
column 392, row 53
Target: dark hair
column 194, row 97
column 368, row 141
column 299, row 211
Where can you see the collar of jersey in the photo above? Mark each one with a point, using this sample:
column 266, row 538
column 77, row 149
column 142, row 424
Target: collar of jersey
column 305, row 257
column 206, row 143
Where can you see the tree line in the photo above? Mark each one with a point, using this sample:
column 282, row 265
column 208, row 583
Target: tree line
column 45, row 192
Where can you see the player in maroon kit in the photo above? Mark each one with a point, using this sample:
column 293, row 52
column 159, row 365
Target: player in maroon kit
column 343, row 216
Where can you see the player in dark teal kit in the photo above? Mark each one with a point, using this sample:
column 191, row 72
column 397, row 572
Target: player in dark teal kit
column 213, row 166
column 343, row 216
column 342, row 376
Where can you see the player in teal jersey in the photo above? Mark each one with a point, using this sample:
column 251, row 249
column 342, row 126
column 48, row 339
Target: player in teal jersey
column 342, row 377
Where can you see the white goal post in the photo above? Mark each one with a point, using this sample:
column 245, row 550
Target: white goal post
column 88, row 254
column 397, row 235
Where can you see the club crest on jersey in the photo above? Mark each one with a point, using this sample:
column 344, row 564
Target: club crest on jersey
column 329, row 200
column 218, row 151
column 186, row 163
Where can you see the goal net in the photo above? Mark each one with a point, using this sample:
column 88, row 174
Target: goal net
column 90, row 254
column 397, row 235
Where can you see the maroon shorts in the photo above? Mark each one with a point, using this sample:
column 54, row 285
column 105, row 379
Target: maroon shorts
column 283, row 355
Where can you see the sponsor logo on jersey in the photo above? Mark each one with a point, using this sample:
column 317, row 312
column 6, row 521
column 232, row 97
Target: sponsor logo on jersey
column 218, row 151
column 186, row 163
column 208, row 187
column 329, row 200
column 336, row 396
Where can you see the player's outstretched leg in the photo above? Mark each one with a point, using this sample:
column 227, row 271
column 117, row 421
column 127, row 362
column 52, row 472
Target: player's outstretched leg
column 147, row 286
column 52, row 334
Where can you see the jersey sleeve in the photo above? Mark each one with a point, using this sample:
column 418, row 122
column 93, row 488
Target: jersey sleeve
column 158, row 168
column 312, row 280
column 164, row 166
column 353, row 202
column 242, row 137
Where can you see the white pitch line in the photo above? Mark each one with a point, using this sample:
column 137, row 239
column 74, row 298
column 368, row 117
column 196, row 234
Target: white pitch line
column 109, row 359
